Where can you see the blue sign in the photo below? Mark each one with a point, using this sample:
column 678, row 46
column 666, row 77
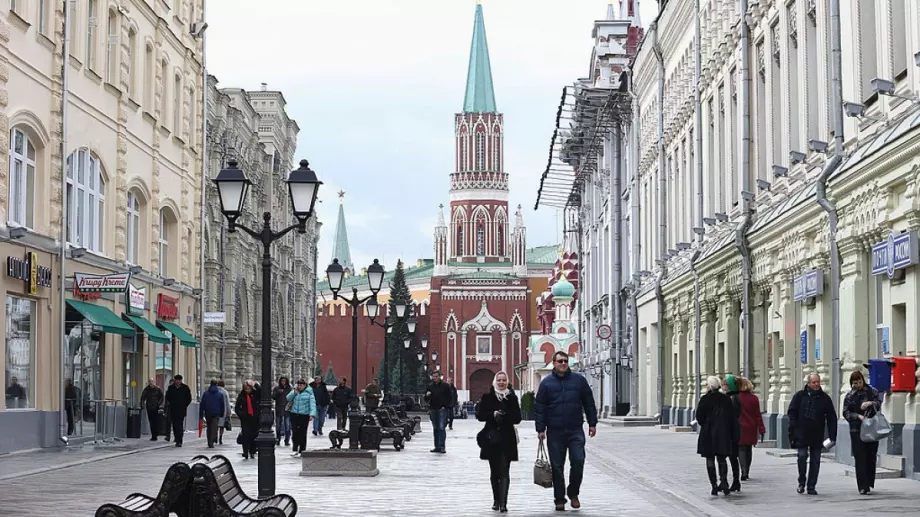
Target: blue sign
column 885, row 347
column 803, row 345
column 808, row 285
column 897, row 252
column 817, row 349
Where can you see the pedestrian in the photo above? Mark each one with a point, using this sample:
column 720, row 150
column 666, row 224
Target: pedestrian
column 247, row 410
column 166, row 413
column 321, row 396
column 438, row 397
column 224, row 422
column 453, row 403
column 731, row 388
column 810, row 412
column 303, row 409
column 282, row 418
column 341, row 398
column 718, row 433
column 563, row 400
column 16, row 395
column 211, row 409
column 372, row 395
column 178, row 398
column 500, row 410
column 151, row 400
column 860, row 403
column 751, row 425
column 71, row 396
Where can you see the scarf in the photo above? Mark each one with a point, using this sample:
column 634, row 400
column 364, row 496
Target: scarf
column 249, row 410
column 730, row 382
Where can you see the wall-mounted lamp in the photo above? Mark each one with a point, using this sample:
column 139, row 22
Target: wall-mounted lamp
column 796, row 157
column 169, row 281
column 854, row 109
column 722, row 217
column 645, row 273
column 763, row 185
column 17, row 232
column 197, row 292
column 683, row 246
column 818, row 146
column 780, row 172
column 672, row 252
column 699, row 231
column 748, row 196
column 135, row 270
column 887, row 87
column 711, row 221
column 77, row 252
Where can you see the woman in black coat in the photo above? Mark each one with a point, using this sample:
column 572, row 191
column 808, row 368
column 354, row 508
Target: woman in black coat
column 500, row 410
column 247, row 410
column 719, row 432
column 860, row 403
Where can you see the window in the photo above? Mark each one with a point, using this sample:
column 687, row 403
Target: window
column 132, row 55
column 464, row 153
column 480, row 240
column 868, row 54
column 91, row 34
column 111, row 49
column 177, row 105
column 164, row 243
column 480, row 151
column 191, row 115
column 20, row 339
column 22, row 178
column 73, row 22
column 495, row 144
column 42, row 17
column 484, row 345
column 899, row 16
column 134, row 227
column 85, row 201
column 150, row 78
column 163, row 93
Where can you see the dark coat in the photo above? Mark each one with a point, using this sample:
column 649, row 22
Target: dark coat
column 751, row 418
column 485, row 412
column 178, row 398
column 341, row 396
column 719, row 427
column 453, row 396
column 242, row 411
column 212, row 403
column 152, row 397
column 563, row 402
column 441, row 395
column 852, row 403
column 320, row 393
column 809, row 413
column 279, row 395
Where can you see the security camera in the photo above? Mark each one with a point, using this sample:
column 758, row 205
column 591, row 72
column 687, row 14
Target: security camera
column 796, row 157
column 763, row 185
column 197, row 29
column 780, row 172
column 883, row 86
column 818, row 146
column 854, row 109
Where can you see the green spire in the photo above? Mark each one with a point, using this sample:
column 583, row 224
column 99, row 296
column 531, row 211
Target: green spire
column 340, row 248
column 480, row 97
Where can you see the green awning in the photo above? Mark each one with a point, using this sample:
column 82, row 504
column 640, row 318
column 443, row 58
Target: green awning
column 102, row 319
column 153, row 333
column 184, row 337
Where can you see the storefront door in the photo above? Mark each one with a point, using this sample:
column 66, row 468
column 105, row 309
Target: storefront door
column 131, row 369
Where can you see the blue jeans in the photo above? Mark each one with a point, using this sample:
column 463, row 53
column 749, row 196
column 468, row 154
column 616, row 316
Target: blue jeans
column 282, row 426
column 439, row 423
column 320, row 419
column 558, row 442
column 813, row 466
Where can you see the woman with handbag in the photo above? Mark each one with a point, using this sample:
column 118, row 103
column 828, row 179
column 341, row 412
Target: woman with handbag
column 500, row 410
column 718, row 436
column 302, row 406
column 247, row 410
column 860, row 403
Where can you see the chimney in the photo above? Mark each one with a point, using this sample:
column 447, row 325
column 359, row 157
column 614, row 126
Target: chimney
column 264, row 87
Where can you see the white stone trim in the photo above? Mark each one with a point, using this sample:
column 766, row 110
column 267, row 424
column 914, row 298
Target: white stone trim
column 484, row 322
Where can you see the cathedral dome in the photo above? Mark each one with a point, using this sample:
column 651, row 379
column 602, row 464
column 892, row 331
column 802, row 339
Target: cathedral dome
column 563, row 288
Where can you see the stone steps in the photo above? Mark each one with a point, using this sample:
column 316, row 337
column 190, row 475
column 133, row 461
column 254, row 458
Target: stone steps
column 880, row 473
column 629, row 421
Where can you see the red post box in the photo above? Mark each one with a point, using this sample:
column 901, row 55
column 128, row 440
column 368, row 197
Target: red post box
column 904, row 374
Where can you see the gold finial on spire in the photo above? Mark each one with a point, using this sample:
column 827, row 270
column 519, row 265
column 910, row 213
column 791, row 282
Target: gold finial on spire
column 478, row 2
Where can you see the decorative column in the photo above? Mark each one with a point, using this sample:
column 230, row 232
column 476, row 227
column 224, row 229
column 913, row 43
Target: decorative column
column 824, row 332
column 463, row 360
column 731, row 307
column 505, row 353
column 775, row 347
column 856, row 286
column 707, row 343
column 758, row 347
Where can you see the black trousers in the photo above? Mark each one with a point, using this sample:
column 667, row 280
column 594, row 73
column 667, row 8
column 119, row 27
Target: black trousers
column 69, row 406
column 153, row 417
column 865, row 456
column 249, row 430
column 341, row 418
column 499, row 475
column 745, row 456
column 300, row 423
column 211, row 422
column 178, row 427
column 450, row 417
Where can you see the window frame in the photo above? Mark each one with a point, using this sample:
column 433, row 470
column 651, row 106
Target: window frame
column 132, row 251
column 177, row 104
column 22, row 209
column 163, row 245
column 91, row 22
column 92, row 194
column 111, row 47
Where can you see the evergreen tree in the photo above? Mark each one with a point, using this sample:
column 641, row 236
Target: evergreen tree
column 331, row 379
column 394, row 343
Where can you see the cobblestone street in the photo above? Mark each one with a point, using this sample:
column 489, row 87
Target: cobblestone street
column 635, row 471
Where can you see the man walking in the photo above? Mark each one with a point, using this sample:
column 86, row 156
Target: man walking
column 282, row 417
column 453, row 404
column 810, row 411
column 372, row 395
column 438, row 396
column 178, row 398
column 341, row 397
column 152, row 399
column 563, row 400
column 212, row 408
column 321, row 396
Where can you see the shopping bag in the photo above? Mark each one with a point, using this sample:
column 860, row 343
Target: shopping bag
column 542, row 470
column 874, row 428
column 200, row 426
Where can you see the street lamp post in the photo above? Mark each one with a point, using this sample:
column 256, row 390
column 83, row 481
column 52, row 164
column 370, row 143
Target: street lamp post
column 232, row 188
column 373, row 310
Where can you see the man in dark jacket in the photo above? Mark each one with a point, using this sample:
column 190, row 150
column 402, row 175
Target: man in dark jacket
column 439, row 399
column 341, row 397
column 282, row 417
column 372, row 395
column 178, row 398
column 211, row 408
column 152, row 399
column 563, row 400
column 321, row 396
column 810, row 412
column 453, row 404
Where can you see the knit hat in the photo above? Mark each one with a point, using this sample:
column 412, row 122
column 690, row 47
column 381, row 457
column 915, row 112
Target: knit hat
column 730, row 381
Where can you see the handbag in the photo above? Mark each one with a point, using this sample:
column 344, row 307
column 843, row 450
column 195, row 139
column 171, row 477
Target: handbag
column 542, row 470
column 488, row 437
column 517, row 436
column 227, row 425
column 289, row 406
column 874, row 428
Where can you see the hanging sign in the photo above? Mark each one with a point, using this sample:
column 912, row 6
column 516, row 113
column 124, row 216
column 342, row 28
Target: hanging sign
column 137, row 298
column 215, row 317
column 29, row 271
column 115, row 283
column 897, row 252
column 808, row 285
column 167, row 307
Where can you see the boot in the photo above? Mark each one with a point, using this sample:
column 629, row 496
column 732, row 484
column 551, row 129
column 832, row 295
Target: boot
column 495, row 494
column 712, row 479
column 504, row 485
column 723, row 479
column 736, row 485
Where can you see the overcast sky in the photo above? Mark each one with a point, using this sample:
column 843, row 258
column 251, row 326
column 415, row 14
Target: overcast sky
column 375, row 84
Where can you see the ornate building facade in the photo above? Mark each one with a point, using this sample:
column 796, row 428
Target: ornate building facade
column 253, row 128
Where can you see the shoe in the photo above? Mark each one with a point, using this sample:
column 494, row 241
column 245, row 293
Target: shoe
column 314, row 433
column 800, row 489
column 296, row 454
column 320, row 432
column 736, row 486
column 435, row 450
column 723, row 486
column 744, row 477
column 153, row 439
column 560, row 507
column 503, row 509
column 245, row 456
column 812, row 491
column 178, row 445
column 715, row 490
column 287, row 443
column 443, row 451
column 863, row 491
column 220, row 441
column 575, row 502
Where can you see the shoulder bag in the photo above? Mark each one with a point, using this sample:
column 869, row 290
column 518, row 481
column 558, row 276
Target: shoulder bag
column 542, row 470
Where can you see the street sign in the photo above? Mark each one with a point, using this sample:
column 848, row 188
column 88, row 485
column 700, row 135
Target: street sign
column 604, row 332
column 215, row 317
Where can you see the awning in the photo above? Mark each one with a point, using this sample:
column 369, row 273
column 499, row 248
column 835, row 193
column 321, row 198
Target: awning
column 102, row 319
column 153, row 333
column 184, row 337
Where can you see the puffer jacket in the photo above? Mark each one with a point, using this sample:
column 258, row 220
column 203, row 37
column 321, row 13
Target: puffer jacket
column 304, row 403
column 563, row 402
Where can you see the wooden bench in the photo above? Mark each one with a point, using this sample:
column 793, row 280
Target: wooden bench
column 215, row 492
column 171, row 498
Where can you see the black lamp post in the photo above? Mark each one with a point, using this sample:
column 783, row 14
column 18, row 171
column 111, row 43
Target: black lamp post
column 373, row 310
column 232, row 187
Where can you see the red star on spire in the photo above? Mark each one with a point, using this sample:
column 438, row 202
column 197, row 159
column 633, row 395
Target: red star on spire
column 341, row 194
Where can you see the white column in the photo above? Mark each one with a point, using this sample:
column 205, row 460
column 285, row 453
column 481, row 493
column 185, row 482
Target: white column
column 463, row 357
column 505, row 352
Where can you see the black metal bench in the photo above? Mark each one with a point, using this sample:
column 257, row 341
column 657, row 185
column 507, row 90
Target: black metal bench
column 414, row 420
column 391, row 419
column 389, row 430
column 215, row 492
column 171, row 498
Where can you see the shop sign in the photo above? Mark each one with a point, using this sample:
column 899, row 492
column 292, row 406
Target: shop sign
column 167, row 307
column 897, row 252
column 29, row 271
column 116, row 283
column 137, row 298
column 808, row 285
column 803, row 344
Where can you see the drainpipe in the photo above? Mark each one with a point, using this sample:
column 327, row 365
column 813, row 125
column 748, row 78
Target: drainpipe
column 615, row 256
column 636, row 247
column 698, row 144
column 65, row 100
column 741, row 232
column 826, row 204
column 204, row 179
column 662, row 214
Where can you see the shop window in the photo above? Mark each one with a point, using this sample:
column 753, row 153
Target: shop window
column 20, row 344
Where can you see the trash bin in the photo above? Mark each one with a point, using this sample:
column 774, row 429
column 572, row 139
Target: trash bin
column 134, row 423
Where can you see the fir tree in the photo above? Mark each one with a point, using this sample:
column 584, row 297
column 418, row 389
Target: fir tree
column 399, row 384
column 331, row 379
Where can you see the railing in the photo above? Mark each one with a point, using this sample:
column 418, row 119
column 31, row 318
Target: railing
column 101, row 432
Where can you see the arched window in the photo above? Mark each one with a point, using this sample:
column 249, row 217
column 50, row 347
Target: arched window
column 111, row 48
column 132, row 68
column 501, row 239
column 134, row 228
column 85, row 201
column 22, row 178
column 163, row 245
column 150, row 78
column 464, row 152
column 480, row 151
column 496, row 142
column 459, row 249
column 164, row 81
column 91, row 34
column 177, row 105
column 480, row 240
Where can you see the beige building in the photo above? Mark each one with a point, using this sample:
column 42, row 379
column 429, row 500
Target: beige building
column 129, row 127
